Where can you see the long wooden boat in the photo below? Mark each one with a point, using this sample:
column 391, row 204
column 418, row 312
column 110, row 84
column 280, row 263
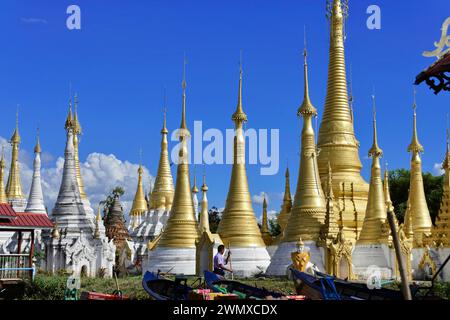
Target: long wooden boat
column 160, row 288
column 315, row 288
column 219, row 284
column 325, row 287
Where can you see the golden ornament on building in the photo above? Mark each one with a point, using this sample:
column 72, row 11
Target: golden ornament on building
column 286, row 206
column 265, row 233
column 3, row 197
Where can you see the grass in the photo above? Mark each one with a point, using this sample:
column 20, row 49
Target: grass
column 46, row 287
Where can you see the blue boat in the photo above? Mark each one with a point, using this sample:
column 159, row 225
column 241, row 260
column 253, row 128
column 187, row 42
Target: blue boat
column 315, row 288
column 219, row 284
column 160, row 288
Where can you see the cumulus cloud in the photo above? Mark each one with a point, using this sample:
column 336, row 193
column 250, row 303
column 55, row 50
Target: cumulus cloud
column 101, row 173
column 259, row 198
column 437, row 169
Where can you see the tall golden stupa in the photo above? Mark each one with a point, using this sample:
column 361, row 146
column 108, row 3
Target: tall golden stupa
column 238, row 226
column 162, row 193
column 373, row 229
column 139, row 206
column 286, row 206
column 337, row 143
column 417, row 217
column 14, row 185
column 308, row 211
column 181, row 230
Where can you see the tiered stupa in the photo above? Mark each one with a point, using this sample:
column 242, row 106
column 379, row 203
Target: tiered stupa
column 267, row 237
column 175, row 250
column 36, row 198
column 159, row 202
column 139, row 207
column 76, row 244
column 14, row 192
column 286, row 207
column 308, row 212
column 337, row 142
column 418, row 214
column 238, row 228
column 372, row 247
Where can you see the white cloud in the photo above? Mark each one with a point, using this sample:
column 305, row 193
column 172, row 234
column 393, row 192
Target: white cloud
column 437, row 169
column 259, row 198
column 100, row 172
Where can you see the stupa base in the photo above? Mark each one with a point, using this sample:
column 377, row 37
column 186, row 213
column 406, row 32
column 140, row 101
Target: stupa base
column 281, row 259
column 372, row 260
column 249, row 261
column 171, row 260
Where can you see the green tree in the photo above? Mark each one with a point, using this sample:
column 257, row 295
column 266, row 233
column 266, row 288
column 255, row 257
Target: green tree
column 399, row 189
column 274, row 227
column 214, row 216
column 107, row 203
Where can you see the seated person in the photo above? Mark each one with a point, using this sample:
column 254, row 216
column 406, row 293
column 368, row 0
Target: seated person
column 219, row 261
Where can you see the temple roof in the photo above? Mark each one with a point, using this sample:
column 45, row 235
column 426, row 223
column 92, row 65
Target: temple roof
column 21, row 220
column 435, row 75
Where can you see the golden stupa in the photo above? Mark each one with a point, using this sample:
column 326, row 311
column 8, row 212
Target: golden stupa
column 418, row 214
column 14, row 184
column 337, row 143
column 181, row 229
column 372, row 231
column 139, row 206
column 387, row 194
column 162, row 193
column 3, row 197
column 203, row 221
column 239, row 227
column 308, row 211
column 440, row 233
column 265, row 225
column 286, row 206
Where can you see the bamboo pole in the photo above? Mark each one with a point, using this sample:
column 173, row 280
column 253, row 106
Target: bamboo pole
column 401, row 263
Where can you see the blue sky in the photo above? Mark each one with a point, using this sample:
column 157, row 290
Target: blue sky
column 127, row 52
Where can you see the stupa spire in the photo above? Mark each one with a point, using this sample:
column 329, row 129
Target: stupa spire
column 337, row 142
column 203, row 224
column 14, row 184
column 375, row 217
column 286, row 206
column 181, row 229
column 36, row 198
column 239, row 225
column 308, row 210
column 3, row 197
column 387, row 194
column 162, row 194
column 139, row 203
column 265, row 224
column 76, row 129
column 419, row 214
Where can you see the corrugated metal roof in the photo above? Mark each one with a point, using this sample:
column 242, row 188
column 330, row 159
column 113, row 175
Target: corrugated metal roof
column 6, row 211
column 28, row 221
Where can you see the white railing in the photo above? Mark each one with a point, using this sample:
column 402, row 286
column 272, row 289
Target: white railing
column 15, row 266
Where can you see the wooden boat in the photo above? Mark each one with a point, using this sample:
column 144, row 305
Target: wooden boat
column 315, row 288
column 219, row 284
column 325, row 287
column 160, row 288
